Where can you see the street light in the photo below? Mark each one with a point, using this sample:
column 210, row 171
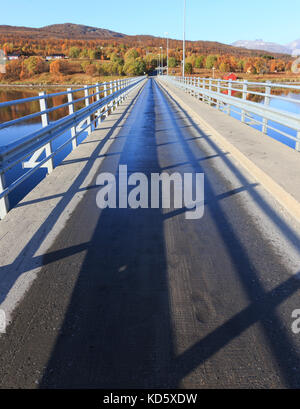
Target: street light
column 184, row 20
column 158, row 64
column 167, row 34
column 161, row 60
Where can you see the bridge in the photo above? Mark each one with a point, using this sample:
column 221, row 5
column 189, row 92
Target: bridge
column 143, row 297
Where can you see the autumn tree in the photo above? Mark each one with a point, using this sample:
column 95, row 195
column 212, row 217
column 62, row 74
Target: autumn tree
column 91, row 69
column 191, row 60
column 114, row 68
column 261, row 66
column 134, row 66
column 241, row 65
column 74, row 52
column 199, row 61
column 188, row 68
column 13, row 70
column 210, row 61
column 57, row 68
column 94, row 54
column 84, row 53
column 172, row 62
column 131, row 54
column 224, row 67
column 115, row 58
column 34, row 65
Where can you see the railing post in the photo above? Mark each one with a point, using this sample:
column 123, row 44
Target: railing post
column 210, row 89
column 199, row 86
column 111, row 90
column 98, row 113
column 121, row 87
column 267, row 103
column 71, row 111
column 4, row 203
column 105, row 95
column 114, row 90
column 229, row 94
column 229, row 88
column 87, row 103
column 219, row 92
column 298, row 142
column 124, row 86
column 245, row 92
column 203, row 89
column 45, row 122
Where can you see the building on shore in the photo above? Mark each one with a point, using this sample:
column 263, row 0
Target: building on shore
column 55, row 57
column 13, row 56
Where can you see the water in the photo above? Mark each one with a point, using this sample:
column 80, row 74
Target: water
column 278, row 104
column 18, row 132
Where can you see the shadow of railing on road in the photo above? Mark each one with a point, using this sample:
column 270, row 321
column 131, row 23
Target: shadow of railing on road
column 26, row 261
column 280, row 342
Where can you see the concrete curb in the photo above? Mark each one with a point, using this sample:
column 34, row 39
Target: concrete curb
column 285, row 199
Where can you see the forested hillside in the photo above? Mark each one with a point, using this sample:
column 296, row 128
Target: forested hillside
column 94, row 51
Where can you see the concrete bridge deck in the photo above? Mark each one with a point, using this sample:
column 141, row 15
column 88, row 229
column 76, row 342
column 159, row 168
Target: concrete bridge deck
column 145, row 298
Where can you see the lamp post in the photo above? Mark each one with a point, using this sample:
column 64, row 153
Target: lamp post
column 162, row 60
column 167, row 34
column 158, row 64
column 184, row 20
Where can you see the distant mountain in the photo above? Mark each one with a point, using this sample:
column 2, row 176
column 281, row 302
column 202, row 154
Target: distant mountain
column 61, row 31
column 265, row 46
column 295, row 47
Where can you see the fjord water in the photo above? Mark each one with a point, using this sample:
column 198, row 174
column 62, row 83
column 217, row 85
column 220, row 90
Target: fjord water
column 293, row 107
column 19, row 131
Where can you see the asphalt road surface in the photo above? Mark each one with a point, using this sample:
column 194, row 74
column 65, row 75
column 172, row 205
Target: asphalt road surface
column 145, row 298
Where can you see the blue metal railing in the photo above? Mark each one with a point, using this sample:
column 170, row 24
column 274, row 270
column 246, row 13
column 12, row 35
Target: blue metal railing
column 220, row 93
column 28, row 149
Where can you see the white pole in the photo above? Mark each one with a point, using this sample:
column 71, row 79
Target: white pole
column 45, row 122
column 4, row 205
column 184, row 21
column 167, row 34
column 159, row 63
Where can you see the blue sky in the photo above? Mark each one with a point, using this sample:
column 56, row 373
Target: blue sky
column 215, row 20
